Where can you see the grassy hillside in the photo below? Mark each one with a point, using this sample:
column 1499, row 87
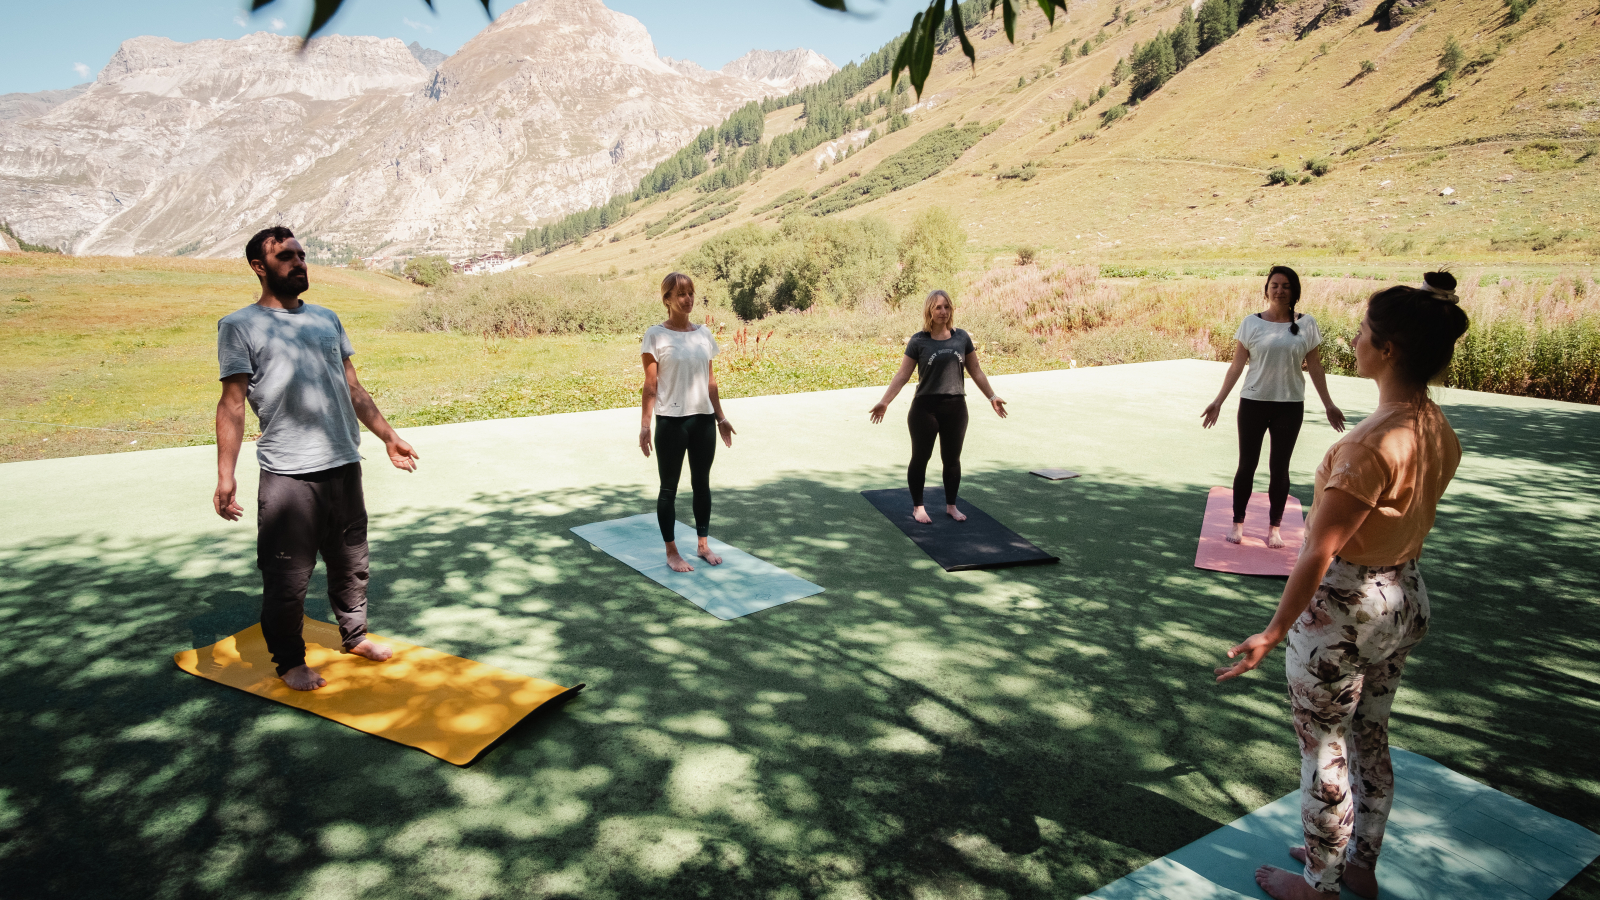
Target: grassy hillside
column 1186, row 172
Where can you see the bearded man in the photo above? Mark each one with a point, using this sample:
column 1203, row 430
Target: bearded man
column 291, row 361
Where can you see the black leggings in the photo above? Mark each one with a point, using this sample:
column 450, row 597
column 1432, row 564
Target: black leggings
column 1256, row 418
column 676, row 435
column 942, row 416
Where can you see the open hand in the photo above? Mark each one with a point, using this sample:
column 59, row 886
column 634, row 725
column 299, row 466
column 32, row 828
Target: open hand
column 644, row 441
column 1336, row 418
column 401, row 454
column 726, row 430
column 1212, row 413
column 999, row 405
column 226, row 500
column 1251, row 653
column 877, row 412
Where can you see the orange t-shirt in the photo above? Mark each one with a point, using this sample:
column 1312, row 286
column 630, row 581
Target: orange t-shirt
column 1398, row 461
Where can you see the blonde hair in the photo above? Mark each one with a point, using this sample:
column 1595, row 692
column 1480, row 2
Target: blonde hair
column 671, row 282
column 927, row 310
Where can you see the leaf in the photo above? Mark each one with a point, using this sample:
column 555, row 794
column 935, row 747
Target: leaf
column 960, row 29
column 902, row 59
column 1009, row 13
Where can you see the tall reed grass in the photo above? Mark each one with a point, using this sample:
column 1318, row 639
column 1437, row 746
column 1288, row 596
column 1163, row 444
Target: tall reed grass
column 1533, row 338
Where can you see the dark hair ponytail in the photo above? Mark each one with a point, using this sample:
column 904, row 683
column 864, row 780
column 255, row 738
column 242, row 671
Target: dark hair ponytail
column 1294, row 292
column 1423, row 323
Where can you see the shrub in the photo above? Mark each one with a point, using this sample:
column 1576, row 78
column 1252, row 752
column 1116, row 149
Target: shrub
column 1025, row 172
column 1516, row 9
column 1278, row 175
column 428, row 271
column 1318, row 166
column 1113, row 114
column 1451, row 57
column 925, row 158
column 1368, row 67
column 804, row 263
column 522, row 304
column 1026, row 255
column 931, row 253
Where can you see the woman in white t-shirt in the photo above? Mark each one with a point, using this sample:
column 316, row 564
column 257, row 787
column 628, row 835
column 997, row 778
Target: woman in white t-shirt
column 1275, row 343
column 680, row 390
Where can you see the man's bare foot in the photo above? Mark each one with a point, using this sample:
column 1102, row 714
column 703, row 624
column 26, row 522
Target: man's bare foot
column 705, row 553
column 1236, row 534
column 1275, row 537
column 1286, row 885
column 303, row 678
column 956, row 514
column 675, row 562
column 1362, row 881
column 374, row 652
column 921, row 515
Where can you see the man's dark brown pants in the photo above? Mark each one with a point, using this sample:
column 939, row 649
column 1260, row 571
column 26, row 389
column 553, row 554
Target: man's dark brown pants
column 299, row 517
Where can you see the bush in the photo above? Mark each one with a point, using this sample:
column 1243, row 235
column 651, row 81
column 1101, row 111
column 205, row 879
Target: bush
column 931, row 253
column 1278, row 175
column 1516, row 9
column 428, row 271
column 522, row 304
column 1319, row 166
column 833, row 262
column 925, row 158
column 1026, row 255
column 1113, row 114
column 1025, row 172
column 1451, row 57
column 1368, row 67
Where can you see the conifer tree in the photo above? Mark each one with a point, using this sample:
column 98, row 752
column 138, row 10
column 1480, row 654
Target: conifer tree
column 1186, row 38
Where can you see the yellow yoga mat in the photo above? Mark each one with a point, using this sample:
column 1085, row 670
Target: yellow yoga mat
column 444, row 705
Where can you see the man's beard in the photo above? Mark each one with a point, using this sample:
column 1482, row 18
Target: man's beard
column 291, row 285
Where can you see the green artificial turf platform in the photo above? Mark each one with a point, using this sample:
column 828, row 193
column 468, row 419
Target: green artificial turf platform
column 1037, row 732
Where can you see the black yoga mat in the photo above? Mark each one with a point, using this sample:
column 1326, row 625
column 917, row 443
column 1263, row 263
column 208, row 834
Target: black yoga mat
column 978, row 543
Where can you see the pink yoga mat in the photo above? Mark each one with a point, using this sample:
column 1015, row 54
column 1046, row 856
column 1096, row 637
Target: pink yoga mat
column 1253, row 557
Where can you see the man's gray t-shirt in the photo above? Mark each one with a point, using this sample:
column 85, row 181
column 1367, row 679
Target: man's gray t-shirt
column 295, row 360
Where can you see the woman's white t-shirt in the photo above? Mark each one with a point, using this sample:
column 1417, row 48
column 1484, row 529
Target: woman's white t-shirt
column 1275, row 358
column 683, row 373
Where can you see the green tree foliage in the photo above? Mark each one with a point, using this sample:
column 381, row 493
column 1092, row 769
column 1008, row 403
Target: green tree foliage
column 1085, row 50
column 428, row 271
column 931, row 253
column 570, row 228
column 1113, row 114
column 1154, row 64
column 743, row 128
column 24, row 245
column 1186, row 38
column 926, row 157
column 1122, row 72
column 1218, row 20
column 1516, row 9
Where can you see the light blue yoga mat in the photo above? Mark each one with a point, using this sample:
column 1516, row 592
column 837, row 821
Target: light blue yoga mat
column 1449, row 838
column 742, row 585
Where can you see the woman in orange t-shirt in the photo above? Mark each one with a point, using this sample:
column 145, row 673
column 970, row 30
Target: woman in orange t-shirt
column 1355, row 606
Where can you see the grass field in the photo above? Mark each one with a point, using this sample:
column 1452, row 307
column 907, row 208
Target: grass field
column 908, row 733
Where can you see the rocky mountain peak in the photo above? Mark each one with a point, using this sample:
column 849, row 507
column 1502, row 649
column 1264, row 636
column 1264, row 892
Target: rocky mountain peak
column 262, row 65
column 784, row 70
column 429, row 58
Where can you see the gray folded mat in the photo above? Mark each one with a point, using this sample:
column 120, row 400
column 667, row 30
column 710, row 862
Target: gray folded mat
column 742, row 585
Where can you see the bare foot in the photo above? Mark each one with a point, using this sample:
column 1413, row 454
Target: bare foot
column 1275, row 537
column 921, row 515
column 705, row 553
column 1361, row 881
column 675, row 562
column 1285, row 885
column 1236, row 534
column 303, row 678
column 374, row 652
column 956, row 514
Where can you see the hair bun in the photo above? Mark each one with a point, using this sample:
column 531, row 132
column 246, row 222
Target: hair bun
column 1443, row 286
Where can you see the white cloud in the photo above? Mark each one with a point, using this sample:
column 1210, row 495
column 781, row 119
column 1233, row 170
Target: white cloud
column 81, row 69
column 279, row 24
column 417, row 25
column 241, row 20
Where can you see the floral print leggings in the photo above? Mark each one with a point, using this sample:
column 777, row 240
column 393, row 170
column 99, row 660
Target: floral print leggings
column 1345, row 656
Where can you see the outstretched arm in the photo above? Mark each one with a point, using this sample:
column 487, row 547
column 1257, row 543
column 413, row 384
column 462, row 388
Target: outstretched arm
column 400, row 452
column 230, row 434
column 907, row 364
column 1337, row 517
column 982, row 381
column 1214, row 410
column 1319, row 380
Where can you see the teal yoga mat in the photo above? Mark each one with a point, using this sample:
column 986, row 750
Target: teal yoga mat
column 1449, row 838
column 742, row 585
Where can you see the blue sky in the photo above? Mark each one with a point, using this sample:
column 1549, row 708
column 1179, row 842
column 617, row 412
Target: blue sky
column 67, row 42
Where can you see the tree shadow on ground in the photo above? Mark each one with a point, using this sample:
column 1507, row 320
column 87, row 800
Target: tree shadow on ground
column 1030, row 732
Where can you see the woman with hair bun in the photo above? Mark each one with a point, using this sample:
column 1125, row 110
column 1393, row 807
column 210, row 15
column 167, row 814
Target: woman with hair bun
column 1275, row 343
column 680, row 389
column 939, row 353
column 1355, row 606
